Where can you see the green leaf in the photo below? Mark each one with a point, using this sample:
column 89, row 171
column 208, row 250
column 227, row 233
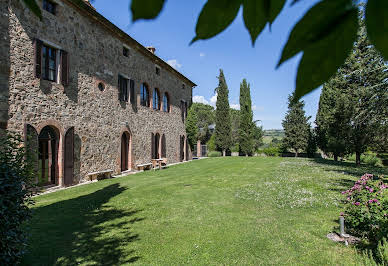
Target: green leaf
column 146, row 9
column 255, row 17
column 322, row 58
column 216, row 16
column 33, row 6
column 274, row 9
column 319, row 21
column 377, row 25
column 258, row 12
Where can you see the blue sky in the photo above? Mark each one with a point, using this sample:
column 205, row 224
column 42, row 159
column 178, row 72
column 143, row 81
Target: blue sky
column 232, row 51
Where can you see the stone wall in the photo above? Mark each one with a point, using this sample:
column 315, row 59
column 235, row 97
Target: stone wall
column 98, row 117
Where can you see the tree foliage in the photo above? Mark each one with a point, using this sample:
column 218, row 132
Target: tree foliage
column 353, row 106
column 246, row 129
column 325, row 34
column 192, row 130
column 16, row 175
column 296, row 126
column 222, row 132
column 206, row 117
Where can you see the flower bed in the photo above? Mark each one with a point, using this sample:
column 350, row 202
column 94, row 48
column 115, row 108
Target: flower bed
column 366, row 208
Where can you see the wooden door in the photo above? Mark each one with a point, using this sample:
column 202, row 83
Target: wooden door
column 69, row 157
column 124, row 152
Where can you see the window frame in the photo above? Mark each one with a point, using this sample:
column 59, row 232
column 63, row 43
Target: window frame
column 144, row 92
column 46, row 59
column 166, row 103
column 49, row 6
column 125, row 51
column 123, row 88
column 156, row 99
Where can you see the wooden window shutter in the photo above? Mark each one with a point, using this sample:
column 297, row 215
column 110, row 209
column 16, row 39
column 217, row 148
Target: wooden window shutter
column 65, row 68
column 132, row 91
column 38, row 58
column 119, row 88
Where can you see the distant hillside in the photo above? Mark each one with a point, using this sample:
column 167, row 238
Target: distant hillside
column 270, row 135
column 279, row 133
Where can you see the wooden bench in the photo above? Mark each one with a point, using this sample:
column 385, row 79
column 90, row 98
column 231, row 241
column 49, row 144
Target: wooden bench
column 164, row 163
column 145, row 166
column 100, row 175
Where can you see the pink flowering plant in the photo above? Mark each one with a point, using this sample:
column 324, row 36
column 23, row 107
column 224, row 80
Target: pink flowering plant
column 366, row 208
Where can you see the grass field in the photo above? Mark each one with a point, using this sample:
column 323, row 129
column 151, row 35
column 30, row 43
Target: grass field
column 214, row 211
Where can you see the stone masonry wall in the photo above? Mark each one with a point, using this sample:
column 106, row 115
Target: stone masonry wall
column 99, row 117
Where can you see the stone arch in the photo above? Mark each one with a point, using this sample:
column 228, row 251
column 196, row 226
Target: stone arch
column 125, row 159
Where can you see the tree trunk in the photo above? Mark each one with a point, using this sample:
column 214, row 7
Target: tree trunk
column 358, row 158
column 336, row 157
column 224, row 153
column 296, row 153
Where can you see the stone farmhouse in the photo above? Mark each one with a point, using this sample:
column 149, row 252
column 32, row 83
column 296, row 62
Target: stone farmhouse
column 85, row 95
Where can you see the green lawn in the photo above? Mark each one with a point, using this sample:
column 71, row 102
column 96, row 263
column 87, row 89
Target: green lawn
column 214, row 211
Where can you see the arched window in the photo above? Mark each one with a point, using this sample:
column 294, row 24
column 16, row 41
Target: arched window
column 144, row 95
column 166, row 103
column 156, row 100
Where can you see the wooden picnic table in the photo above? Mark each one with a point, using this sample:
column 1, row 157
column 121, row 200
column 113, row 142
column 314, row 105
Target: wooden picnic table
column 156, row 162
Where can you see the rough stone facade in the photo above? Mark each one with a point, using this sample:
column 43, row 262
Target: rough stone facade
column 99, row 118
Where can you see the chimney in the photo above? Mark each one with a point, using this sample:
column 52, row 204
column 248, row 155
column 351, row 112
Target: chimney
column 151, row 49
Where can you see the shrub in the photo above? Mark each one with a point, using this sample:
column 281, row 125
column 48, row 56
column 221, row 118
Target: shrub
column 271, row 151
column 368, row 158
column 211, row 144
column 378, row 257
column 366, row 208
column 16, row 173
column 214, row 154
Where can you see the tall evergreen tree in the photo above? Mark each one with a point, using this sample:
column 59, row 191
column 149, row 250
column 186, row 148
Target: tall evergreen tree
column 296, row 126
column 223, row 125
column 246, row 129
column 353, row 107
column 333, row 119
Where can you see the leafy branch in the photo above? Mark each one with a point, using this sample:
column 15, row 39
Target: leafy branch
column 325, row 35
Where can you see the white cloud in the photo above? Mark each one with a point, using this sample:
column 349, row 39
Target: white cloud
column 200, row 99
column 202, row 54
column 213, row 100
column 174, row 63
column 235, row 106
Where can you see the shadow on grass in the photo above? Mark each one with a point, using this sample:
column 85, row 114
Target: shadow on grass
column 83, row 230
column 351, row 168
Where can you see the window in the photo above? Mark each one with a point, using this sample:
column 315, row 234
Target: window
column 123, row 89
column 156, row 100
column 157, row 71
column 49, row 6
column 125, row 52
column 144, row 95
column 183, row 110
column 166, row 103
column 49, row 63
column 101, row 86
column 183, row 86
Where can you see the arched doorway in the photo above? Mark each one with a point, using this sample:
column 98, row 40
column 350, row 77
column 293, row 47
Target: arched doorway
column 125, row 152
column 69, row 157
column 155, row 146
column 48, row 156
column 182, row 148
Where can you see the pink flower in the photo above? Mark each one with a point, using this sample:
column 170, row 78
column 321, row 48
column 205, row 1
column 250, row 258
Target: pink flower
column 357, row 203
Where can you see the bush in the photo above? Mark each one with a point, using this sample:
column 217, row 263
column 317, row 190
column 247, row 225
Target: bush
column 368, row 158
column 378, row 257
column 16, row 173
column 271, row 151
column 214, row 154
column 211, row 144
column 366, row 208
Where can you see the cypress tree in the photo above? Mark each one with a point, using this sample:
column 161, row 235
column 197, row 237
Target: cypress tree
column 192, row 130
column 296, row 126
column 246, row 129
column 222, row 132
